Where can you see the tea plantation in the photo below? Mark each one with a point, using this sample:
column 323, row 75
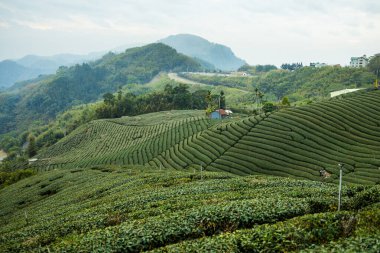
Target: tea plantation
column 296, row 142
column 141, row 208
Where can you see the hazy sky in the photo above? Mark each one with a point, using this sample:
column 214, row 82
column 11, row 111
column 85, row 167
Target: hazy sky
column 259, row 31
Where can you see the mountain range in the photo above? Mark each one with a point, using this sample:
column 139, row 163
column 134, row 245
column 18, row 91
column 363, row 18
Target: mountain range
column 32, row 66
column 217, row 55
column 211, row 56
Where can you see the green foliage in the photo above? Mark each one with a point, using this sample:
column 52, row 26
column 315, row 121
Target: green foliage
column 11, row 141
column 366, row 197
column 109, row 99
column 257, row 69
column 172, row 98
column 309, row 233
column 374, row 65
column 8, row 178
column 269, row 107
column 49, row 137
column 285, row 101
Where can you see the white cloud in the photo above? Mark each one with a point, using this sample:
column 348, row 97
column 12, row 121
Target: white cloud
column 4, row 24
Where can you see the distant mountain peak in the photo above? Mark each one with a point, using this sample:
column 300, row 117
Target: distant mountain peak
column 195, row 46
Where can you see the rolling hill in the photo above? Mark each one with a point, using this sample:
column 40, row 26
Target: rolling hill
column 219, row 56
column 296, row 142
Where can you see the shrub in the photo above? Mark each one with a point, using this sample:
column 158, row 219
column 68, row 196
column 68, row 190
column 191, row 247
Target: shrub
column 8, row 178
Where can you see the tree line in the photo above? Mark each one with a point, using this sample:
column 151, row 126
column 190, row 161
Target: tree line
column 171, row 98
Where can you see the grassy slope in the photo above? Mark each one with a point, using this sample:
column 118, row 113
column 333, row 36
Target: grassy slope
column 295, row 142
column 135, row 209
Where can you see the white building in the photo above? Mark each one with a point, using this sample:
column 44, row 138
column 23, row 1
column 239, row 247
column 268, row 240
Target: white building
column 317, row 64
column 358, row 62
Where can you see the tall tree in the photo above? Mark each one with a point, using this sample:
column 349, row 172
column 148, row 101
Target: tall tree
column 222, row 100
column 285, row 101
column 32, row 149
column 109, row 98
column 374, row 66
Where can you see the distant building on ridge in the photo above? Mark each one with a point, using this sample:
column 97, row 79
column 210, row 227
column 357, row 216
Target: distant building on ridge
column 317, row 64
column 359, row 62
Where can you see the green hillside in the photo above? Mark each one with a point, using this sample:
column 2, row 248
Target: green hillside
column 301, row 84
column 41, row 100
column 160, row 94
column 134, row 209
column 296, row 142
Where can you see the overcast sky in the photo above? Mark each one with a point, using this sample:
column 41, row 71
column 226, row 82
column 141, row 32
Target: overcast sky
column 259, row 31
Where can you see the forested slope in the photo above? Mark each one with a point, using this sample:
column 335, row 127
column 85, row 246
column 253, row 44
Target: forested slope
column 40, row 101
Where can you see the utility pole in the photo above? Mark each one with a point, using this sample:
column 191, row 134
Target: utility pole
column 201, row 172
column 256, row 99
column 220, row 116
column 340, row 185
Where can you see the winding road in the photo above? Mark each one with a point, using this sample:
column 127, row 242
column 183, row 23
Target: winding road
column 179, row 79
column 175, row 77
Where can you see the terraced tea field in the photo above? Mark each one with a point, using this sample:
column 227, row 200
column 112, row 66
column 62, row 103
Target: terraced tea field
column 134, row 209
column 128, row 140
column 296, row 142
